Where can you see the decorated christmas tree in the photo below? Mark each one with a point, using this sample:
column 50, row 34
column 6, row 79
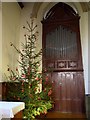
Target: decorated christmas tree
column 27, row 78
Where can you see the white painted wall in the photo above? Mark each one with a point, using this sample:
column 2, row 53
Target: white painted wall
column 84, row 43
column 89, row 52
column 10, row 33
column 0, row 41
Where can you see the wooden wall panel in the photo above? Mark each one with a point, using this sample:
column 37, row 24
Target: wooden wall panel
column 69, row 96
column 0, row 91
column 3, row 91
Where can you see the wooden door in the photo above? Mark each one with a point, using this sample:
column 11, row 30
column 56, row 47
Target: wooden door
column 63, row 57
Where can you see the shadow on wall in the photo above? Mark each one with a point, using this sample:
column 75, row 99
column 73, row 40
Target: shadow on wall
column 88, row 106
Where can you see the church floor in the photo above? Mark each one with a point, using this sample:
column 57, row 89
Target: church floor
column 63, row 116
column 68, row 116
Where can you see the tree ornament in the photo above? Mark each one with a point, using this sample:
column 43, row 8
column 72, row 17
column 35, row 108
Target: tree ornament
column 39, row 98
column 11, row 44
column 40, row 81
column 16, row 69
column 8, row 69
column 46, row 78
column 24, row 27
column 18, row 98
column 36, row 78
column 23, row 76
column 22, row 84
column 50, row 92
column 45, row 112
column 44, row 90
column 22, row 90
column 31, row 95
column 14, row 78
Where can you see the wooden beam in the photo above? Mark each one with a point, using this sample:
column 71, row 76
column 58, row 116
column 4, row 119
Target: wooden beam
column 21, row 4
column 85, row 6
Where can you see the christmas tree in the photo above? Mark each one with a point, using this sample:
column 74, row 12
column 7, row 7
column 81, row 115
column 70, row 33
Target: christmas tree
column 28, row 80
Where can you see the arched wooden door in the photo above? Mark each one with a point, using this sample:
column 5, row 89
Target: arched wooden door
column 62, row 54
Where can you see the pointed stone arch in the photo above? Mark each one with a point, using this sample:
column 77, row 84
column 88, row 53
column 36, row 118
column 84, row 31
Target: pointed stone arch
column 85, row 6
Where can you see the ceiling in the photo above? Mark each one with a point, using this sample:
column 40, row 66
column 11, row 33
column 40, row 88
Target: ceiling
column 85, row 5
